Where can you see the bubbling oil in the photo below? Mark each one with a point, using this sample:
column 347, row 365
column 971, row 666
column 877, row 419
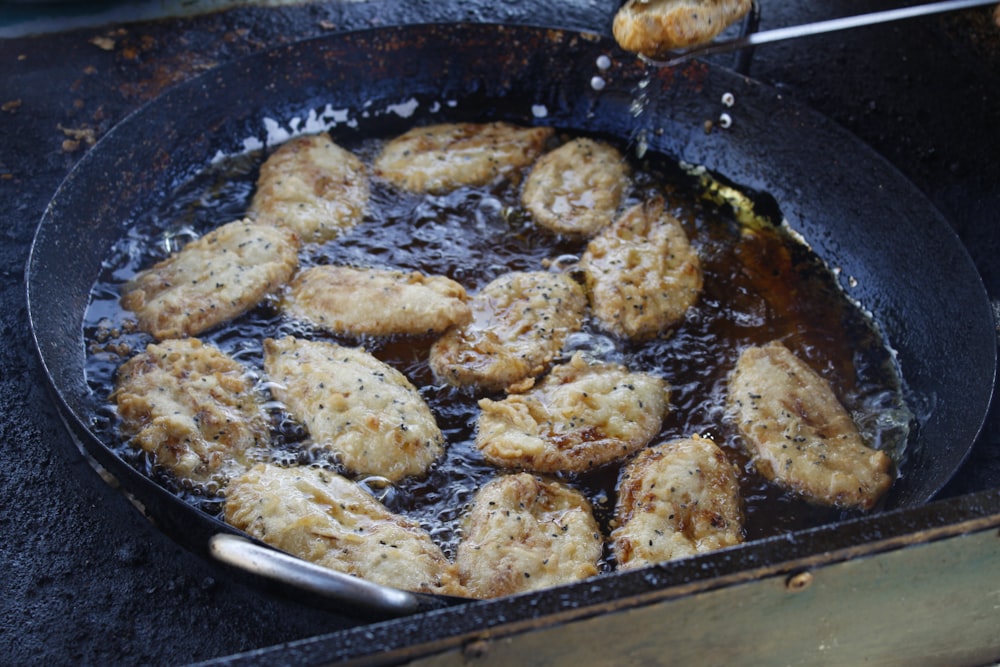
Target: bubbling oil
column 760, row 284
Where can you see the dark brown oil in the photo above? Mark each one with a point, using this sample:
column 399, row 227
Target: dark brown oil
column 760, row 285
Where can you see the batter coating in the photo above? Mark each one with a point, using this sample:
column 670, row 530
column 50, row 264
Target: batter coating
column 577, row 188
column 323, row 518
column 524, row 533
column 351, row 403
column 654, row 27
column 375, row 302
column 582, row 415
column 799, row 434
column 519, row 324
column 677, row 499
column 313, row 187
column 642, row 272
column 194, row 408
column 212, row 279
column 441, row 158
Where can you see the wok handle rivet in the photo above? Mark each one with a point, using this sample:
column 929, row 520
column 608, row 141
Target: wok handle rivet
column 799, row 581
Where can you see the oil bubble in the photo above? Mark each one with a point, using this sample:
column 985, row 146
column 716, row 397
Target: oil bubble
column 641, row 144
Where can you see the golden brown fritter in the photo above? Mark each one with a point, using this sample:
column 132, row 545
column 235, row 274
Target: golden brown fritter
column 577, row 188
column 654, row 27
column 323, row 518
column 376, row 302
column 642, row 272
column 519, row 324
column 798, row 433
column 313, row 187
column 525, row 533
column 194, row 408
column 356, row 406
column 677, row 499
column 580, row 416
column 441, row 158
column 212, row 279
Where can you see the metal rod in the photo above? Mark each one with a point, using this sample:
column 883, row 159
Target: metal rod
column 278, row 566
column 751, row 24
column 819, row 27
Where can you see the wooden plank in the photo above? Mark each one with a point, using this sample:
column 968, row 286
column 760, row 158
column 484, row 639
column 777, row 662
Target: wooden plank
column 934, row 603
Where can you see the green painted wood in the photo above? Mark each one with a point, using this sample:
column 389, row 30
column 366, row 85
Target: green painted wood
column 932, row 603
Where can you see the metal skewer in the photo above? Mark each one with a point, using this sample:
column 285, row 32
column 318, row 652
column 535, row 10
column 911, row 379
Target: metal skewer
column 819, row 27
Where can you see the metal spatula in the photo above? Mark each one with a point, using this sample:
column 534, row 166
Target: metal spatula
column 808, row 29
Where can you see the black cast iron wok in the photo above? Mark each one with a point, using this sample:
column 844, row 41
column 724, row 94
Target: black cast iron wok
column 896, row 254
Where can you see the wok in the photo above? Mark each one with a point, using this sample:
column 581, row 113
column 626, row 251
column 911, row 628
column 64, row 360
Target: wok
column 896, row 255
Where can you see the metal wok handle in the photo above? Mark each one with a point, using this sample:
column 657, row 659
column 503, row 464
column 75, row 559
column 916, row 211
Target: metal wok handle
column 278, row 566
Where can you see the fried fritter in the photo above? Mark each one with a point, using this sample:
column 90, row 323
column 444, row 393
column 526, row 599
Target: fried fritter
column 362, row 409
column 313, row 187
column 580, row 416
column 212, row 279
column 441, row 158
column 677, row 499
column 642, row 272
column 323, row 518
column 577, row 188
column 525, row 533
column 193, row 407
column 798, row 433
column 376, row 302
column 655, row 27
column 519, row 324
